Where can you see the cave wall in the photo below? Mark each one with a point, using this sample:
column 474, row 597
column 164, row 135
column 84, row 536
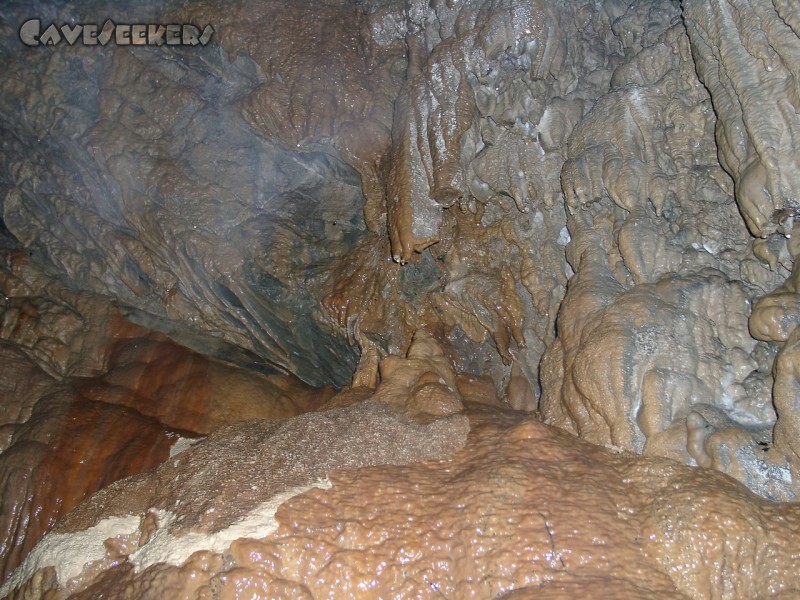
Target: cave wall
column 151, row 178
column 584, row 211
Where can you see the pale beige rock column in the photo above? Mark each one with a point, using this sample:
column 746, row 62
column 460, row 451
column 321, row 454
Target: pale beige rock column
column 747, row 53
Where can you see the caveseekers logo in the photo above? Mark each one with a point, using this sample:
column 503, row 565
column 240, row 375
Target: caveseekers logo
column 89, row 34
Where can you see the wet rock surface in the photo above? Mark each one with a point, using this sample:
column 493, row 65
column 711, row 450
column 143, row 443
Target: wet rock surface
column 390, row 213
column 152, row 186
column 503, row 517
column 89, row 398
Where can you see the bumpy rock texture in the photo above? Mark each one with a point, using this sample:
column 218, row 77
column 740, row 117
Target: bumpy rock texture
column 505, row 514
column 585, row 211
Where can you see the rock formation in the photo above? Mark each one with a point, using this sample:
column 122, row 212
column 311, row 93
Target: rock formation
column 247, row 275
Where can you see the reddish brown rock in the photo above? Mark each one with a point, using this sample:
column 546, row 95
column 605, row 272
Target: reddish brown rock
column 64, row 440
column 69, row 448
column 186, row 390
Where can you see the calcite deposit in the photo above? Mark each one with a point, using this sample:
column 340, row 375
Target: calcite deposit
column 506, row 516
column 380, row 298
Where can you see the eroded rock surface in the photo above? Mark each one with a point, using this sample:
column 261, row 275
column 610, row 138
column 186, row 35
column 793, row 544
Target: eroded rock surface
column 239, row 470
column 666, row 273
column 746, row 54
column 156, row 183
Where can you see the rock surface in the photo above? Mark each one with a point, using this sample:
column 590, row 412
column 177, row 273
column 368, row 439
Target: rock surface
column 504, row 517
column 153, row 185
column 585, row 211
column 97, row 398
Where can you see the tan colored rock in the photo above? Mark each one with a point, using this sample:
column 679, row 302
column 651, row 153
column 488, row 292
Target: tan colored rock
column 224, row 486
column 747, row 55
column 540, row 206
column 422, row 383
column 664, row 369
column 523, row 510
column 787, row 398
column 619, row 161
column 775, row 316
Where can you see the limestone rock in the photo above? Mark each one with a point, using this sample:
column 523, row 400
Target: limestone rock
column 522, row 509
column 583, row 210
column 747, row 55
column 63, row 438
